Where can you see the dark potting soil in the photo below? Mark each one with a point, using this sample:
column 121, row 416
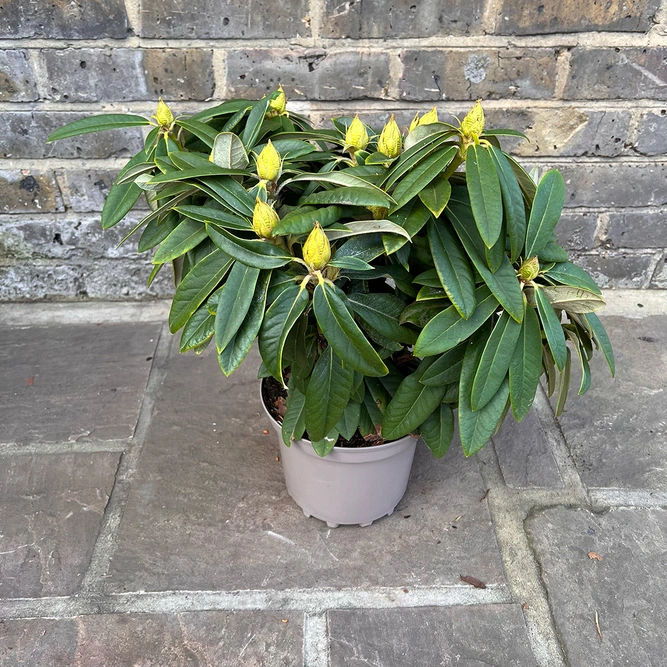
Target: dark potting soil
column 274, row 396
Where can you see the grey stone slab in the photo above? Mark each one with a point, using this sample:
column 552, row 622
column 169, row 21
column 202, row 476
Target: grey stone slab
column 462, row 636
column 191, row 639
column 626, row 588
column 659, row 279
column 638, row 229
column 65, row 383
column 209, row 508
column 61, row 19
column 525, row 454
column 652, row 133
column 17, row 79
column 617, row 268
column 23, row 191
column 51, row 509
column 617, row 431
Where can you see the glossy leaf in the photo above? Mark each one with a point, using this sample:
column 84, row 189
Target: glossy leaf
column 111, row 121
column 234, row 303
column 351, row 196
column 328, row 393
column 526, row 365
column 452, row 267
column 122, row 196
column 412, row 217
column 348, row 423
column 602, row 339
column 343, row 334
column 495, row 361
column 545, row 213
column 438, row 430
column 294, row 414
column 324, row 446
column 260, row 254
column 186, row 236
column 446, row 369
column 552, row 328
column 485, row 194
column 302, row 220
column 198, row 330
column 214, row 216
column 563, row 384
column 572, row 275
column 196, row 286
column 382, row 312
column 254, row 123
column 436, row 195
column 200, row 130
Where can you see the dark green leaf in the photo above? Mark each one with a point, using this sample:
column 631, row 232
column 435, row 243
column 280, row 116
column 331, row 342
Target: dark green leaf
column 438, row 430
column 122, row 196
column 349, row 421
column 214, row 216
column 260, row 254
column 436, row 195
column 412, row 217
column 545, row 213
column 421, row 313
column 352, row 196
column 563, row 384
column 186, row 236
column 352, row 263
column 302, row 220
column 157, row 231
column 254, row 123
column 446, row 369
column 485, row 195
column 382, row 312
column 111, row 121
column 200, row 130
column 198, row 330
column 552, row 252
column 552, row 328
column 570, row 274
column 294, row 414
column 601, row 339
column 324, row 446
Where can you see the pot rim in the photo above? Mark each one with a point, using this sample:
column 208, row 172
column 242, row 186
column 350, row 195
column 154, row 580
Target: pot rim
column 351, row 451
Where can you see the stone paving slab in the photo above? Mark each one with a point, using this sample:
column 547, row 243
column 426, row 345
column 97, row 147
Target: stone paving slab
column 51, row 509
column 193, row 639
column 626, row 588
column 209, row 508
column 461, row 636
column 618, row 430
column 524, row 454
column 62, row 383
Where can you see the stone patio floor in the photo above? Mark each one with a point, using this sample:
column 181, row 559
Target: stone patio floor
column 144, row 518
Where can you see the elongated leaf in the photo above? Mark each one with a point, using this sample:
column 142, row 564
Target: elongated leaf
column 585, row 384
column 552, row 328
column 572, row 275
column 157, row 231
column 342, row 178
column 563, row 384
column 411, row 405
column 214, row 216
column 421, row 175
column 230, row 193
column 229, row 152
column 515, row 211
column 111, row 121
column 503, row 132
column 234, row 303
column 436, row 195
column 382, row 312
column 294, row 410
column 476, row 427
column 447, row 329
column 343, row 333
column 198, row 330
column 352, row 196
column 328, row 393
column 186, row 236
column 573, row 299
column 352, row 263
column 196, row 286
column 413, row 154
column 485, row 194
column 200, row 172
column 367, row 227
column 601, row 339
column 495, row 361
column 278, row 321
column 503, row 283
column 122, row 196
column 546, row 211
column 526, row 365
column 202, row 131
column 301, row 221
column 452, row 267
column 260, row 254
column 552, row 252
column 446, row 369
column 438, row 430
column 412, row 217
column 349, row 421
column 324, row 446
column 420, row 313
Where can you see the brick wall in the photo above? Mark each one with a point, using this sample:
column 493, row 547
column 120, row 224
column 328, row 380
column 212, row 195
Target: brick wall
column 587, row 79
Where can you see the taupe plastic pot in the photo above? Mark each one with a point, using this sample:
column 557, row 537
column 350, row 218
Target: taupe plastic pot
column 349, row 485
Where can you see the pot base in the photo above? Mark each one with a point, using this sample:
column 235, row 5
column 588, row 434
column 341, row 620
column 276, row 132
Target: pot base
column 330, row 524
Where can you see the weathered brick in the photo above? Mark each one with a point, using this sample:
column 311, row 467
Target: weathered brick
column 525, row 17
column 659, row 280
column 616, row 269
column 62, row 19
column 57, row 237
column 576, row 230
column 609, row 74
column 98, row 279
column 93, row 75
column 229, row 19
column 400, row 18
column 84, row 191
column 17, row 82
column 24, row 191
column 652, row 133
column 309, row 73
column 614, row 184
column 487, row 73
column 25, row 132
column 637, row 229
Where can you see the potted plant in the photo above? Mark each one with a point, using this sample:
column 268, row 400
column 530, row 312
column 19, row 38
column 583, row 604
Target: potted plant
column 388, row 280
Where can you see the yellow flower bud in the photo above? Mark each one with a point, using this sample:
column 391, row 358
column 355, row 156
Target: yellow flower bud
column 316, row 249
column 379, row 212
column 356, row 137
column 264, row 219
column 430, row 117
column 390, row 141
column 163, row 115
column 268, row 163
column 280, row 102
column 415, row 122
column 529, row 269
column 473, row 124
